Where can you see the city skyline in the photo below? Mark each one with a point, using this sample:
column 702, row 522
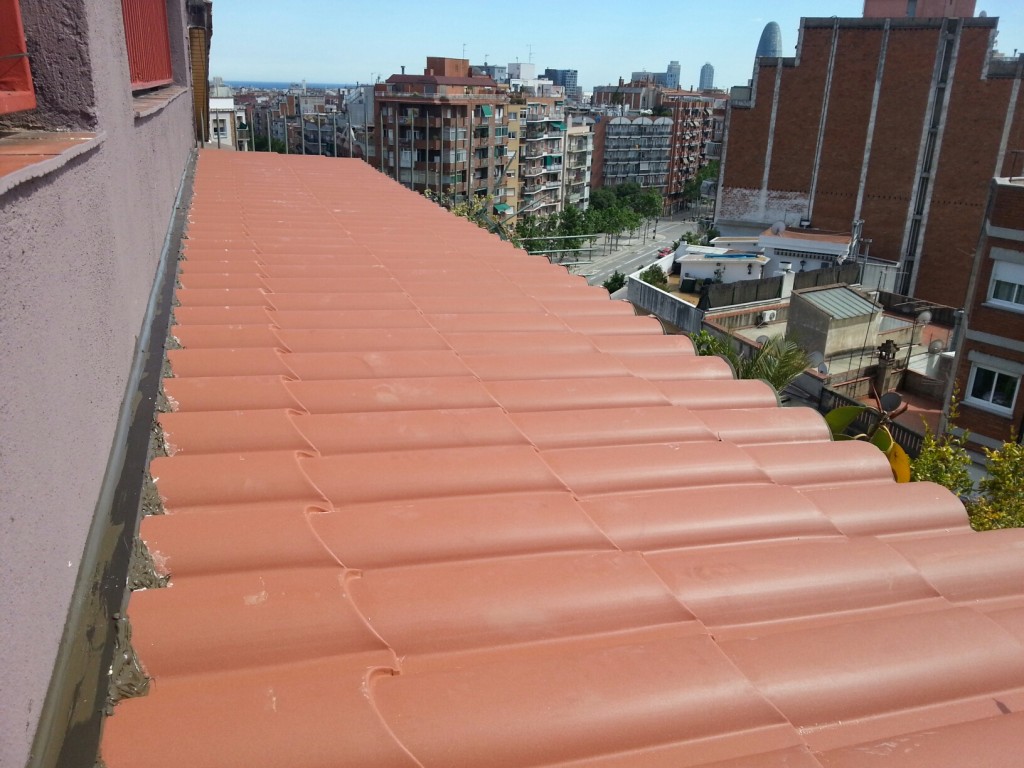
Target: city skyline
column 318, row 41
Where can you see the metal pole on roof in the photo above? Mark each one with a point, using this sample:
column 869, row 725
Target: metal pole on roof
column 319, row 136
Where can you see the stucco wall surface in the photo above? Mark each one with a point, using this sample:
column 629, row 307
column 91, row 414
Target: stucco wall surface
column 79, row 249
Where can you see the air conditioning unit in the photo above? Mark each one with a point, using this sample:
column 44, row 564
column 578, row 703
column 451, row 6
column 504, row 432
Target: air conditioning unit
column 767, row 316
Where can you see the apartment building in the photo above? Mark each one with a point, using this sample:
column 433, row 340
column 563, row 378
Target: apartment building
column 446, row 130
column 579, row 154
column 693, row 140
column 542, row 142
column 228, row 127
column 990, row 357
column 633, row 150
column 897, row 122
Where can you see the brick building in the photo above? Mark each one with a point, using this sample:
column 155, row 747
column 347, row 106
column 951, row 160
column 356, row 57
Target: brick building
column 630, row 97
column 900, row 122
column 990, row 361
column 445, row 130
column 696, row 138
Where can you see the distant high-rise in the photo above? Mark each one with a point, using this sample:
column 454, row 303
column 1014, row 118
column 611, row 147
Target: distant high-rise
column 568, row 79
column 707, row 77
column 770, row 44
column 667, row 79
column 672, row 75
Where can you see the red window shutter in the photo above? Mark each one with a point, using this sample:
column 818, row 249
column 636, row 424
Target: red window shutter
column 16, row 92
column 149, row 46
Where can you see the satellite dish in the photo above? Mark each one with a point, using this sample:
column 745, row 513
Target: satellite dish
column 778, row 227
column 924, row 318
column 891, row 401
column 936, row 346
column 762, row 339
column 815, row 359
column 823, row 369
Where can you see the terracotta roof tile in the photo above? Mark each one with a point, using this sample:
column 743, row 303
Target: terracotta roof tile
column 434, row 502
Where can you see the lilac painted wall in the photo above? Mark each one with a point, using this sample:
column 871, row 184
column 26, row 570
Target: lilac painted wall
column 79, row 249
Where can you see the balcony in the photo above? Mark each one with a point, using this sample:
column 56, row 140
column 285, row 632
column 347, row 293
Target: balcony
column 540, row 117
column 535, row 152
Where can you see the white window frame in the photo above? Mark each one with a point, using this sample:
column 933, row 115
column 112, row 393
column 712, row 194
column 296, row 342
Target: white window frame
column 1010, row 274
column 987, row 404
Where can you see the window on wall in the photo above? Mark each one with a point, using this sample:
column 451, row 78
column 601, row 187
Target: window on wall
column 16, row 93
column 1007, row 286
column 148, row 41
column 993, row 388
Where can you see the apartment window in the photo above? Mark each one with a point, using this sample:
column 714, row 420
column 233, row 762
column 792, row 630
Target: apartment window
column 16, row 93
column 992, row 388
column 1007, row 286
column 149, row 45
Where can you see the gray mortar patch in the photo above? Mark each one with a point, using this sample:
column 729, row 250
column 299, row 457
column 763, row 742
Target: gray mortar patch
column 142, row 573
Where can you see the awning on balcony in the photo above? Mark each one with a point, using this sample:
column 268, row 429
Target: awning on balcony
column 502, row 208
column 558, row 126
column 485, row 109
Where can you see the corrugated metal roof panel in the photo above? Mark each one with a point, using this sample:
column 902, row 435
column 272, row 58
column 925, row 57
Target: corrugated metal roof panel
column 840, row 303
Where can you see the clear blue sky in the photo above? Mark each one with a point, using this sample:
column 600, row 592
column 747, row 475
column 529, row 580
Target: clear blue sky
column 332, row 41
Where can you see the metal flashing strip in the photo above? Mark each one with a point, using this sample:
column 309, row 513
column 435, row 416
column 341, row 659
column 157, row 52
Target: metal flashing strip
column 70, row 721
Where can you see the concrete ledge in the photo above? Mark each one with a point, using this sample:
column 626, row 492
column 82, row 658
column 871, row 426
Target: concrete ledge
column 27, row 155
column 151, row 102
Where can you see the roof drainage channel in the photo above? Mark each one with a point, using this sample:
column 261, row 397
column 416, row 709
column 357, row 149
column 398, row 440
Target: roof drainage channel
column 69, row 727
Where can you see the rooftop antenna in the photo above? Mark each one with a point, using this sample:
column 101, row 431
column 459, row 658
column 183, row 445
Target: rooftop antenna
column 463, row 50
column 529, row 47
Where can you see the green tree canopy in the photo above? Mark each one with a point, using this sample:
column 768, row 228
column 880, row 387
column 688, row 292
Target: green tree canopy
column 615, row 282
column 655, row 275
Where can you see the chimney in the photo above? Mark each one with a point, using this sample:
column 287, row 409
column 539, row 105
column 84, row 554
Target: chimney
column 403, row 69
column 621, row 82
column 788, row 276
